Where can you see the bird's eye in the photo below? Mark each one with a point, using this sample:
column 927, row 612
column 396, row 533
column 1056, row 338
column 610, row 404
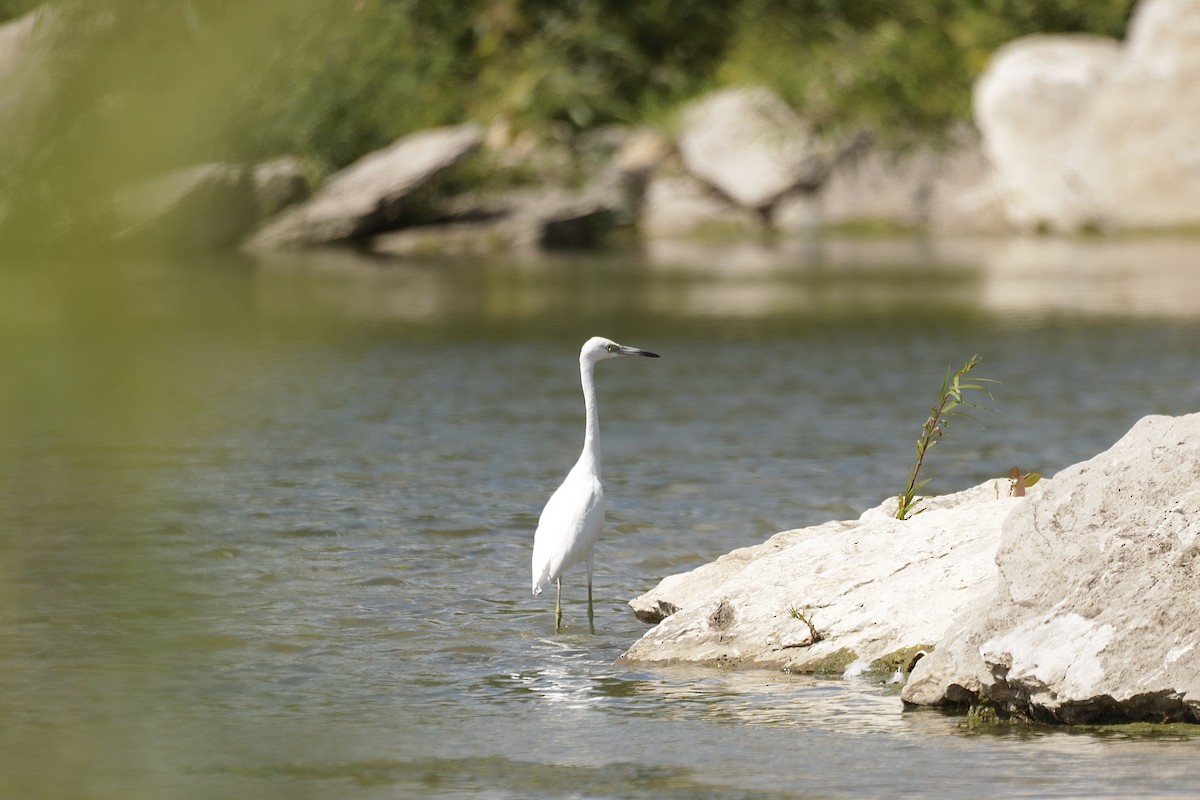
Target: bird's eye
column 612, row 348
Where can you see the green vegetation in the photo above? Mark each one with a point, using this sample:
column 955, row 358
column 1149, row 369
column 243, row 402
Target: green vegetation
column 984, row 714
column 806, row 617
column 902, row 659
column 137, row 87
column 901, row 70
column 950, row 399
column 834, row 663
column 1173, row 731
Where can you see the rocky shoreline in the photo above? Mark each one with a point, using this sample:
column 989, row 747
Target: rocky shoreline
column 1070, row 134
column 1076, row 603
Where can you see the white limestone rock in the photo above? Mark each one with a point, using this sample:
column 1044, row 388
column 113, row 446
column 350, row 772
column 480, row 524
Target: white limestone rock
column 871, row 587
column 1031, row 105
column 1095, row 615
column 1139, row 152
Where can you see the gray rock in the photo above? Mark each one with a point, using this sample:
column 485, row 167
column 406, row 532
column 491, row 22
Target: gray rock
column 751, row 146
column 680, row 205
column 871, row 587
column 368, row 196
column 1095, row 615
column 279, row 183
column 927, row 189
column 521, row 220
column 209, row 206
column 621, row 182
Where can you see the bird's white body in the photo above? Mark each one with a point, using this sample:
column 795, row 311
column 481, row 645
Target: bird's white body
column 573, row 518
column 569, row 526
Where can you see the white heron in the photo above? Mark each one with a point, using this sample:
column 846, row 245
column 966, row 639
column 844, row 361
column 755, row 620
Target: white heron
column 571, row 521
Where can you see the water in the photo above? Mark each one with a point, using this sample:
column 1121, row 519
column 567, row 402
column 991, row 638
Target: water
column 265, row 527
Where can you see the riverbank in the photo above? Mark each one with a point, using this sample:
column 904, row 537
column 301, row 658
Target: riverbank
column 1063, row 136
column 1045, row 152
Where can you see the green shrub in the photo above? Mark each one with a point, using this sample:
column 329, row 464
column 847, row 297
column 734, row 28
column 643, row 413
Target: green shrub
column 901, row 70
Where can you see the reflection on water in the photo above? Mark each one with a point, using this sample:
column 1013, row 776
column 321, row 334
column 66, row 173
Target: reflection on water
column 692, row 280
column 1136, row 278
column 265, row 527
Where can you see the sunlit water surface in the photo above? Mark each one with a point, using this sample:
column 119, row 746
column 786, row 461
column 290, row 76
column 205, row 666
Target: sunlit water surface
column 265, row 528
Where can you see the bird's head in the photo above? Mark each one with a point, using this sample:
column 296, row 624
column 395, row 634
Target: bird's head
column 598, row 348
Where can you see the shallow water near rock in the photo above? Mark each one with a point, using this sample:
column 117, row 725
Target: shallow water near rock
column 266, row 526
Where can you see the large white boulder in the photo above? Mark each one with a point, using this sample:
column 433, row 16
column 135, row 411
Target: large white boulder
column 1031, row 106
column 1084, row 131
column 1139, row 142
column 1095, row 614
column 1076, row 603
column 871, row 587
column 366, row 196
column 749, row 145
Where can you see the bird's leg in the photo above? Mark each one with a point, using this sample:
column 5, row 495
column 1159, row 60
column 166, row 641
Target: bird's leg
column 558, row 606
column 591, row 620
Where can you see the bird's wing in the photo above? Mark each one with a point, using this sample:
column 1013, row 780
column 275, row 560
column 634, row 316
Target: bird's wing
column 568, row 528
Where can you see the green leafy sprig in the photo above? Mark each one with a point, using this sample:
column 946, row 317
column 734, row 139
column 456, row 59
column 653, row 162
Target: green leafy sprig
column 951, row 402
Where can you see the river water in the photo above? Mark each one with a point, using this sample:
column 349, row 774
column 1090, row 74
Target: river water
column 265, row 527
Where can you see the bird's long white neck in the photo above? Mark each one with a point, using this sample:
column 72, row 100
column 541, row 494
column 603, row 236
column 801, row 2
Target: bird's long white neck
column 591, row 436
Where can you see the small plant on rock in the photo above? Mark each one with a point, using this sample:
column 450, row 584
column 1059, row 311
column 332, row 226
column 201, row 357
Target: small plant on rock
column 806, row 617
column 950, row 404
column 1018, row 483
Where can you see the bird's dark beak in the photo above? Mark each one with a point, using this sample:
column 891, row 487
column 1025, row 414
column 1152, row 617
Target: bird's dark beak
column 633, row 351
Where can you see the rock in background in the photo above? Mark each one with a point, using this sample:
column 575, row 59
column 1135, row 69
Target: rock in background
column 367, row 196
column 205, row 207
column 945, row 190
column 748, row 163
column 1095, row 615
column 585, row 190
column 1141, row 132
column 279, row 183
column 1030, row 105
column 1084, row 132
column 752, row 147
